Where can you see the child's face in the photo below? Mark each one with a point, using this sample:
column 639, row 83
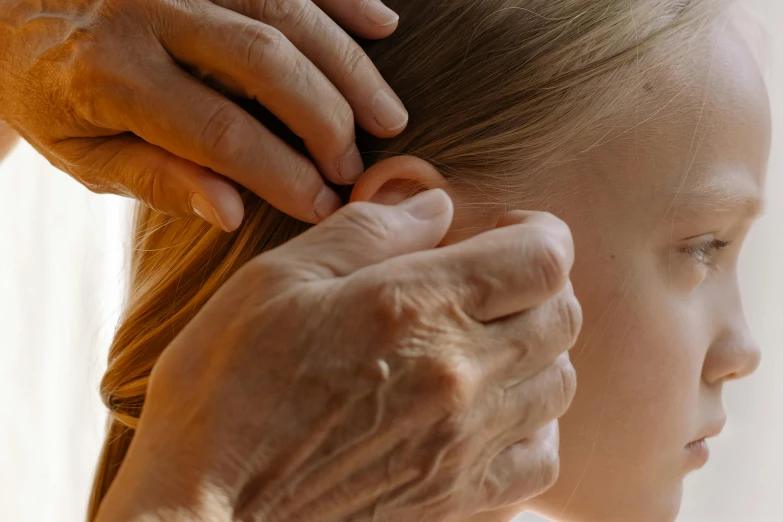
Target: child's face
column 659, row 216
column 659, row 210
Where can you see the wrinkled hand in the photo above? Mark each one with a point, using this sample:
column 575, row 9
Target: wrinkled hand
column 99, row 87
column 357, row 374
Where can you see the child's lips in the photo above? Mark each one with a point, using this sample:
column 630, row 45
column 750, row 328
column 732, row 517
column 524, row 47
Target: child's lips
column 698, row 453
column 698, row 450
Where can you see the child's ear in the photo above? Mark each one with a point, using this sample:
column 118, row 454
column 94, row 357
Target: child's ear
column 395, row 179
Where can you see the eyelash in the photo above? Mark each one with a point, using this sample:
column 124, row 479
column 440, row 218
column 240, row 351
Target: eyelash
column 703, row 252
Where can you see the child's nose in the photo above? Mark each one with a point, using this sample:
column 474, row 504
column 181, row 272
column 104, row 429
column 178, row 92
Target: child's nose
column 734, row 355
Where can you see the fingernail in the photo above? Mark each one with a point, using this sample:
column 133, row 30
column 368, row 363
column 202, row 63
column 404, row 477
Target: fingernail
column 426, row 205
column 351, row 166
column 379, row 14
column 230, row 210
column 203, row 209
column 326, row 203
column 389, row 113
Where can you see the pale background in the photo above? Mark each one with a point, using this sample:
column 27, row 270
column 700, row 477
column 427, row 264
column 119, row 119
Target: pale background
column 62, row 265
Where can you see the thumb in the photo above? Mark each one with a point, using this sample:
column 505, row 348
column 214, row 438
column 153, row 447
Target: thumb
column 129, row 166
column 363, row 234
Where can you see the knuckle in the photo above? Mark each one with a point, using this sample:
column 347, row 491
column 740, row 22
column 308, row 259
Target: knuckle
column 553, row 391
column 401, row 311
column 456, row 382
column 571, row 313
column 565, row 376
column 299, row 182
column 396, row 307
column 91, row 180
column 298, row 74
column 261, row 46
column 95, row 86
column 483, row 283
column 366, row 218
column 521, row 346
column 88, row 78
column 80, row 165
column 341, row 121
column 282, row 12
column 262, row 271
column 221, row 134
column 147, row 186
column 354, row 62
column 549, row 261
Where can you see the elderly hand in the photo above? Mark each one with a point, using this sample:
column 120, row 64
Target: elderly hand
column 100, row 88
column 357, row 374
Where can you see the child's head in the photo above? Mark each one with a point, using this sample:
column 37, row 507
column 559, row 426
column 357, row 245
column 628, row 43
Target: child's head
column 643, row 124
column 656, row 160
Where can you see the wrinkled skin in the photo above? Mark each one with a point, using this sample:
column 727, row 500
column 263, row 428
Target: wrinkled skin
column 102, row 89
column 273, row 405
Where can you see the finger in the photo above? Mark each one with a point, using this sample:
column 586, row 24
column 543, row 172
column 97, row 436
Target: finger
column 510, row 409
column 531, row 403
column 363, row 234
column 497, row 273
column 259, row 63
column 492, row 479
column 523, row 471
column 350, row 499
column 526, row 343
column 376, row 108
column 370, row 19
column 194, row 122
column 127, row 165
column 515, row 417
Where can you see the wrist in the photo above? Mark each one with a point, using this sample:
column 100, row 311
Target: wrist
column 138, row 506
column 148, row 490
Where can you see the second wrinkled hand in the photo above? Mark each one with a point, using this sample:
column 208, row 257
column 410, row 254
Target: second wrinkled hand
column 369, row 378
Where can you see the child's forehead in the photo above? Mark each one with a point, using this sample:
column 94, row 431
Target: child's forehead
column 703, row 130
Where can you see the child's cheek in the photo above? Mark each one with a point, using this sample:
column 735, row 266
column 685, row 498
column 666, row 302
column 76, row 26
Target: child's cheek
column 638, row 371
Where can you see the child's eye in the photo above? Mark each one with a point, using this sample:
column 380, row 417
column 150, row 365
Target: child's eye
column 705, row 252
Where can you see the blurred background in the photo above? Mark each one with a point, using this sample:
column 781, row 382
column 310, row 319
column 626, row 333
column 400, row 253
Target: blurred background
column 62, row 277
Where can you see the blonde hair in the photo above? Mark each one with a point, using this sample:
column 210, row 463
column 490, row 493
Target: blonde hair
column 498, row 92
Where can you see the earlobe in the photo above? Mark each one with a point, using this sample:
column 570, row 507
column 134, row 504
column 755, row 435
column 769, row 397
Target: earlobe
column 395, row 179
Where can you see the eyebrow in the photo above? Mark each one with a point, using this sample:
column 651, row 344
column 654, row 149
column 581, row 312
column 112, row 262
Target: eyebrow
column 719, row 198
